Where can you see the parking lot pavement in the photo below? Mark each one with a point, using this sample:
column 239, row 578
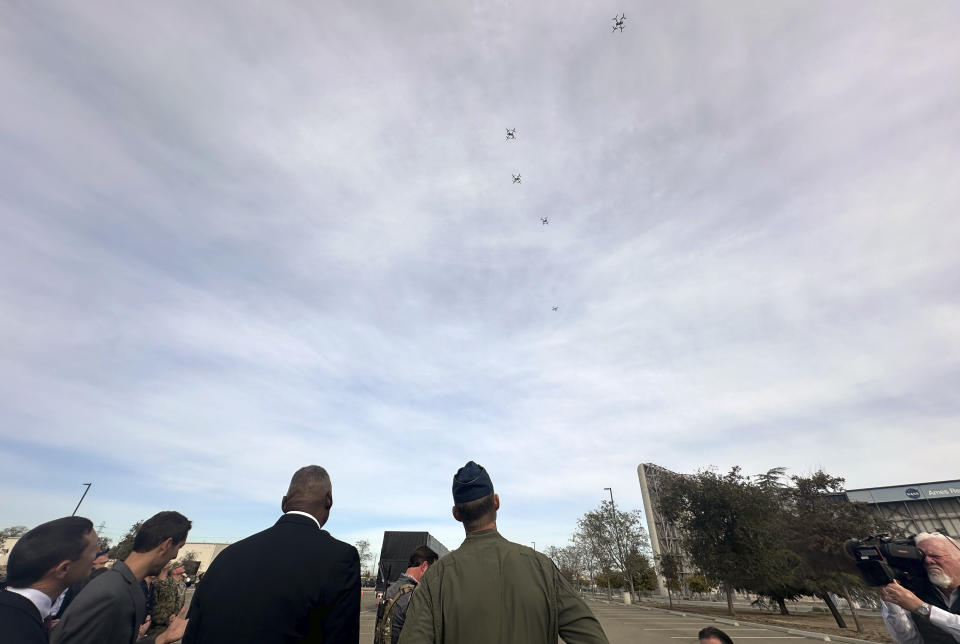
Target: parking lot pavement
column 629, row 624
column 368, row 614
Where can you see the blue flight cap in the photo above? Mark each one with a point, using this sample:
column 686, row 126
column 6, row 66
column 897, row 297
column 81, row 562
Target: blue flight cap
column 471, row 482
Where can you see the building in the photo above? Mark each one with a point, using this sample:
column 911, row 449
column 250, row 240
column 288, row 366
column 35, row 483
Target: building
column 205, row 553
column 395, row 554
column 916, row 507
column 664, row 536
column 6, row 545
column 202, row 552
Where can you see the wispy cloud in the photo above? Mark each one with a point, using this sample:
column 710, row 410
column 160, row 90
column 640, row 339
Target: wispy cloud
column 239, row 239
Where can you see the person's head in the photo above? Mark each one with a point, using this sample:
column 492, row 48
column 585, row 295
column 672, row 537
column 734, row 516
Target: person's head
column 101, row 560
column 420, row 559
column 941, row 559
column 177, row 572
column 713, row 635
column 475, row 504
column 55, row 555
column 310, row 491
column 160, row 539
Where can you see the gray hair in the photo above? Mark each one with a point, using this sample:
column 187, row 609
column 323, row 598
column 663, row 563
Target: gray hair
column 924, row 536
column 310, row 482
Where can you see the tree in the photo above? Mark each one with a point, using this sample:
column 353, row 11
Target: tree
column 724, row 522
column 614, row 536
column 823, row 519
column 13, row 532
column 366, row 557
column 595, row 559
column 782, row 573
column 569, row 560
column 125, row 546
column 670, row 568
column 698, row 584
column 103, row 543
column 644, row 576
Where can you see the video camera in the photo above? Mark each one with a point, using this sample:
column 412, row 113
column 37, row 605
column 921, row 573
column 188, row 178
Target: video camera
column 882, row 559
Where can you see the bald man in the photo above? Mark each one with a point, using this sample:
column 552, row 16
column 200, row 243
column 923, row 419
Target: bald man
column 292, row 582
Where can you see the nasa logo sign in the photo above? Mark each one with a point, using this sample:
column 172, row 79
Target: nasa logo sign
column 913, row 493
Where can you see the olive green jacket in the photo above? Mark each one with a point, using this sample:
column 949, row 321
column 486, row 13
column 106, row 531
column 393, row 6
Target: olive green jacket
column 492, row 590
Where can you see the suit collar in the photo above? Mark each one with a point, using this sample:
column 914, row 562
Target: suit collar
column 38, row 598
column 296, row 516
column 125, row 572
column 20, row 602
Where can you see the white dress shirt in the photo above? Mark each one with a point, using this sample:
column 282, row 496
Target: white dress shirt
column 904, row 631
column 304, row 514
column 58, row 603
column 38, row 598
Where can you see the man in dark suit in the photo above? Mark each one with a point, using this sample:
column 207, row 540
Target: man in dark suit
column 43, row 563
column 99, row 563
column 292, row 582
column 111, row 609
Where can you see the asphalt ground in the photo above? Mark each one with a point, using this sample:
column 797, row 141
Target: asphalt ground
column 629, row 624
column 368, row 615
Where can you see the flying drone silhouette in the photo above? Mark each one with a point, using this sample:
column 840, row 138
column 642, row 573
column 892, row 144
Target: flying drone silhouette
column 556, row 308
column 511, row 134
column 618, row 22
column 516, row 178
column 544, row 221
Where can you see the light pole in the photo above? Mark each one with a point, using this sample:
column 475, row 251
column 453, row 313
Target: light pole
column 534, row 544
column 616, row 536
column 81, row 499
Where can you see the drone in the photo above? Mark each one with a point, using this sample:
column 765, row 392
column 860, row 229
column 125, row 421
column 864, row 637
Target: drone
column 516, row 178
column 511, row 134
column 544, row 221
column 618, row 22
column 556, row 308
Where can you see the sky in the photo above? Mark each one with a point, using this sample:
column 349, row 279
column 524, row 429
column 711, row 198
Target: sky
column 242, row 237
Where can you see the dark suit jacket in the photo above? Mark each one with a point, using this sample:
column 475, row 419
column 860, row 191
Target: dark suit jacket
column 110, row 610
column 290, row 583
column 75, row 589
column 20, row 620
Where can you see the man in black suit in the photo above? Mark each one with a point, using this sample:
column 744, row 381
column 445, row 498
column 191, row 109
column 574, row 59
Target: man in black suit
column 292, row 582
column 111, row 609
column 43, row 563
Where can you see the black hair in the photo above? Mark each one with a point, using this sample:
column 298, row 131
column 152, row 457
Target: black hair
column 476, row 513
column 420, row 555
column 160, row 527
column 712, row 632
column 44, row 547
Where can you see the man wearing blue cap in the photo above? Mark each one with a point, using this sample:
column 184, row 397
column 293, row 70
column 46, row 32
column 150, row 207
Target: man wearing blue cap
column 493, row 590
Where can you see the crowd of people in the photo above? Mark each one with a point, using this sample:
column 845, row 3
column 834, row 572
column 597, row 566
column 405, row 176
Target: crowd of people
column 307, row 585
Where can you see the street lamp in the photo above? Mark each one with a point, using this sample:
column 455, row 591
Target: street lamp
column 81, row 499
column 534, row 544
column 616, row 536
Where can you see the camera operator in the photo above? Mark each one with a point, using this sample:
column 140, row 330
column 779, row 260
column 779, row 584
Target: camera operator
column 934, row 612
